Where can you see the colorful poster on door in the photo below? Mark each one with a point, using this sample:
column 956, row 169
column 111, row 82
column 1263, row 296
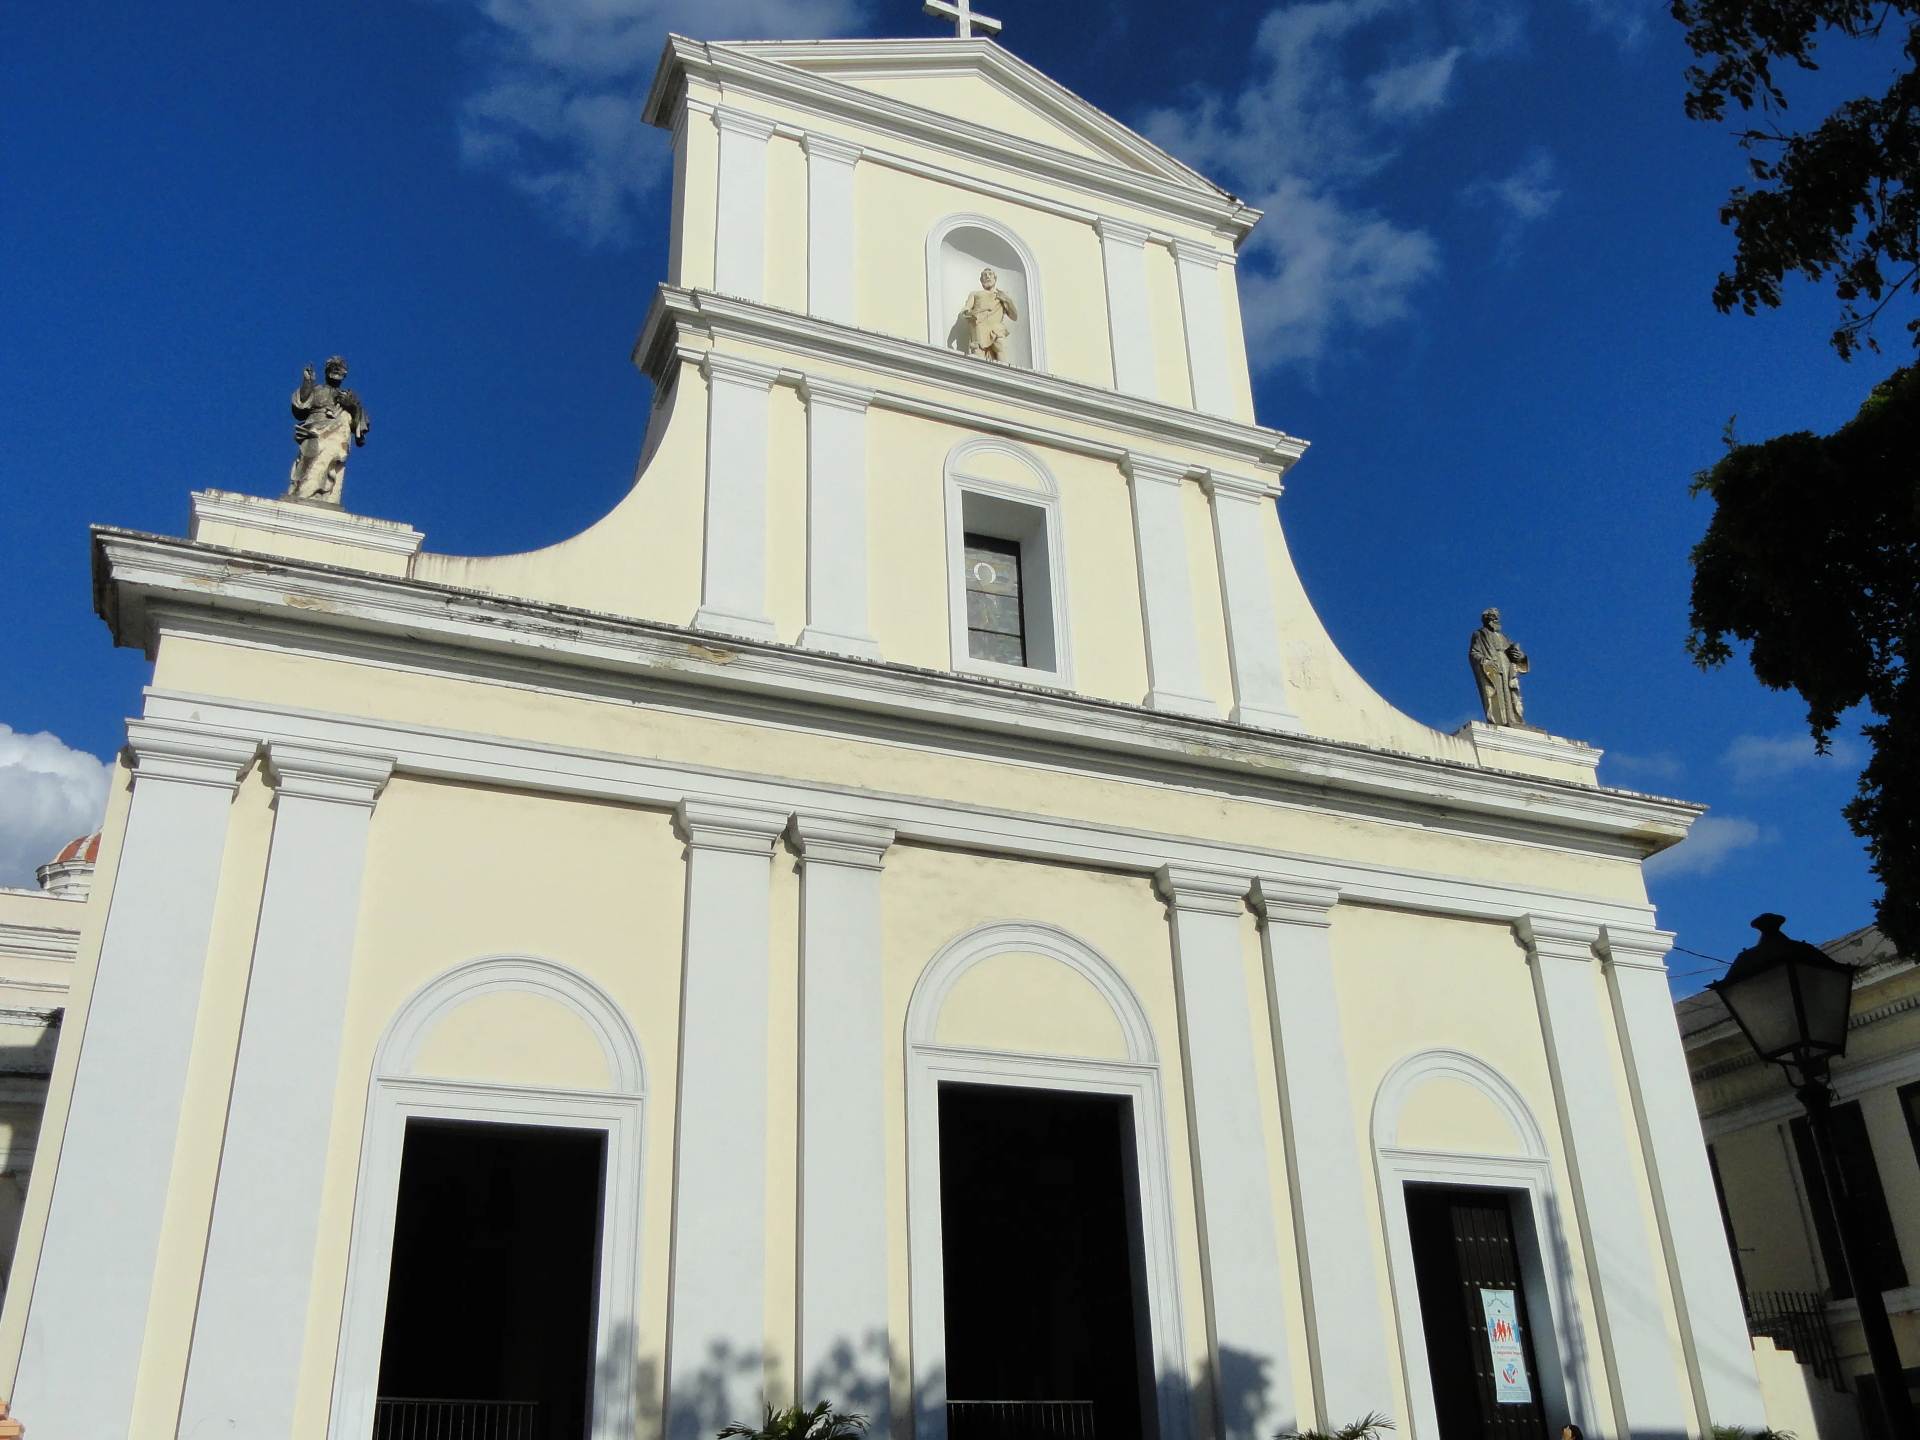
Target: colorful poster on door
column 1510, row 1383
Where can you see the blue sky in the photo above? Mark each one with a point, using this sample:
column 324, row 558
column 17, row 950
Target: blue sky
column 1481, row 292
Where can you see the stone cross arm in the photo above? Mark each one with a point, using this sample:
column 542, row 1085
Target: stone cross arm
column 966, row 22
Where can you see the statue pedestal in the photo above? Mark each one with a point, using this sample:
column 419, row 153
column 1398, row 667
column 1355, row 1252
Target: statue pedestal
column 303, row 530
column 1532, row 751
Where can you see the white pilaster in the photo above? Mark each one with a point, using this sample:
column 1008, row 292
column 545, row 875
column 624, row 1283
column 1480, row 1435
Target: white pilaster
column 1251, row 1370
column 716, row 1334
column 1240, row 510
column 251, row 1325
column 740, row 220
column 1166, row 586
column 1712, row 1318
column 88, row 1314
column 733, row 580
column 1123, row 247
column 830, row 267
column 1337, row 1251
column 843, row 1145
column 837, row 518
column 1620, row 1260
column 1198, row 267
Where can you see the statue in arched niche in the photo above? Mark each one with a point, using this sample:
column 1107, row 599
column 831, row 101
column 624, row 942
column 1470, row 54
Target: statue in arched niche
column 989, row 315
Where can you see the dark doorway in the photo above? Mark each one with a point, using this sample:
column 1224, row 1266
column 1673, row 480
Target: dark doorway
column 491, row 1300
column 1045, row 1280
column 1473, row 1308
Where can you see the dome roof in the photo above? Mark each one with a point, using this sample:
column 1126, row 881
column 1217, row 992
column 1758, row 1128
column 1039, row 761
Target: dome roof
column 86, row 850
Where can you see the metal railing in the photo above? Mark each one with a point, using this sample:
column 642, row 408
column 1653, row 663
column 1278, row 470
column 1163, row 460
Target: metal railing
column 408, row 1419
column 1020, row 1420
column 1797, row 1319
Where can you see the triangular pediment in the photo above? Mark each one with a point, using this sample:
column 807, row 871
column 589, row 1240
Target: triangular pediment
column 979, row 83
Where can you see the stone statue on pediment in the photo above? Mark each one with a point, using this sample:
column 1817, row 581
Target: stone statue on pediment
column 328, row 421
column 989, row 315
column 1497, row 664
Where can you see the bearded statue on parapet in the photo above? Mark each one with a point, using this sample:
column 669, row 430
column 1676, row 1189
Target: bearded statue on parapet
column 329, row 419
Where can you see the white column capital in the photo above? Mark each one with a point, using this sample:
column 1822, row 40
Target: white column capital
column 742, row 122
column 1280, row 901
column 1551, row 938
column 743, row 829
column 1248, row 488
column 1137, row 466
column 826, row 840
column 819, row 390
column 830, row 147
column 1195, row 253
column 314, row 772
column 717, row 365
column 1123, row 232
column 190, row 756
column 1633, row 947
column 1206, row 892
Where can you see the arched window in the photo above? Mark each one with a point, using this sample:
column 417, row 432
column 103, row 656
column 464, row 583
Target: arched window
column 958, row 249
column 1006, row 564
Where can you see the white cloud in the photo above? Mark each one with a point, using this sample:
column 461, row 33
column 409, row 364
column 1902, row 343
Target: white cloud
column 49, row 794
column 1312, row 124
column 1754, row 759
column 558, row 109
column 1652, row 767
column 1526, row 194
column 1707, row 846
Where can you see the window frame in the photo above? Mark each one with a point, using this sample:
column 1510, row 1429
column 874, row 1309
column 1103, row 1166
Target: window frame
column 1030, row 517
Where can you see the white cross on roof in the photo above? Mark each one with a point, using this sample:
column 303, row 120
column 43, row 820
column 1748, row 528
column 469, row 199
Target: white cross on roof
column 966, row 20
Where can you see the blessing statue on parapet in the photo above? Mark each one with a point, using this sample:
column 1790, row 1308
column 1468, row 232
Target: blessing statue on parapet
column 989, row 315
column 1497, row 664
column 327, row 418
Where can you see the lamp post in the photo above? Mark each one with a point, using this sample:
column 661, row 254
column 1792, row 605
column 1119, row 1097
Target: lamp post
column 1791, row 1000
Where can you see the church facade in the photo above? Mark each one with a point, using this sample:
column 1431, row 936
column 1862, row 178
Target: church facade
column 911, row 909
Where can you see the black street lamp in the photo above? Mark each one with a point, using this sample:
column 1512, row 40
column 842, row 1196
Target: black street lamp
column 1792, row 1001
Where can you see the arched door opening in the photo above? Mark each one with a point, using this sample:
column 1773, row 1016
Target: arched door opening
column 490, row 1297
column 1044, row 1265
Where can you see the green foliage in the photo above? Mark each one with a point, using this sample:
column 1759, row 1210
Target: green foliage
column 1844, row 198
column 1813, row 558
column 1367, row 1427
column 1740, row 1432
column 822, row 1422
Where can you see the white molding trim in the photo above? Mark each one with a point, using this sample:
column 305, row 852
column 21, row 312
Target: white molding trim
column 938, row 324
column 1167, row 1389
column 755, row 71
column 1850, row 1082
column 1560, row 1346
column 304, row 521
column 20, row 941
column 395, row 1095
column 463, row 757
column 1497, row 740
column 1049, row 626
column 679, row 316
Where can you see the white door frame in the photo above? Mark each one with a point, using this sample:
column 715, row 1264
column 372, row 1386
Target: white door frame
column 1137, row 1079
column 1546, row 1267
column 396, row 1096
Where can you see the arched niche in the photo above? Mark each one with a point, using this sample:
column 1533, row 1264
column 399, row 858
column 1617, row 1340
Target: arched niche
column 958, row 249
column 1445, row 1117
column 442, row 1027
column 942, row 1048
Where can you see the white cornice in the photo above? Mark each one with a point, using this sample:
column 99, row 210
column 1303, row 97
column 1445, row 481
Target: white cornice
column 1531, row 743
column 463, row 758
column 678, row 317
column 745, row 72
column 147, row 583
column 37, row 942
column 307, row 519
